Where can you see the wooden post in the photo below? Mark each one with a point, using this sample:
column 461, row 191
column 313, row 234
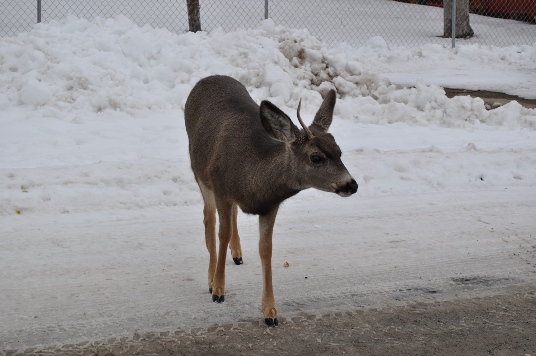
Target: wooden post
column 462, row 27
column 194, row 19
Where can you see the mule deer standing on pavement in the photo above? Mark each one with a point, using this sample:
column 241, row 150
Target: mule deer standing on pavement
column 255, row 158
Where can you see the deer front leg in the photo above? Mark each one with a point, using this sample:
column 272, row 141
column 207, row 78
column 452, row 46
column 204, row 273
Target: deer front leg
column 266, row 228
column 225, row 213
column 236, row 249
column 209, row 220
column 210, row 240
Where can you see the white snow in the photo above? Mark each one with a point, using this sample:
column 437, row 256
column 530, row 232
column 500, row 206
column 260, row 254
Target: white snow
column 100, row 217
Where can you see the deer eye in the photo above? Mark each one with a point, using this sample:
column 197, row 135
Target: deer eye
column 316, row 158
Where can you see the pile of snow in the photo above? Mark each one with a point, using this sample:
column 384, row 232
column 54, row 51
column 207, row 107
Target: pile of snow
column 73, row 65
column 92, row 112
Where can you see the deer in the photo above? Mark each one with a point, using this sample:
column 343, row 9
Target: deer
column 254, row 157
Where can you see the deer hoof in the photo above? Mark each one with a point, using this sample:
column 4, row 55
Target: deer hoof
column 271, row 322
column 218, row 299
column 238, row 260
column 210, row 290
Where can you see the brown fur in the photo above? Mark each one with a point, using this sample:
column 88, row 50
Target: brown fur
column 255, row 158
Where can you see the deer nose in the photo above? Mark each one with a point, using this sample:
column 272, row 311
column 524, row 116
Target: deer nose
column 351, row 186
column 348, row 189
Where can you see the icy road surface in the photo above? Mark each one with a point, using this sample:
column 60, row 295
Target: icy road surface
column 70, row 280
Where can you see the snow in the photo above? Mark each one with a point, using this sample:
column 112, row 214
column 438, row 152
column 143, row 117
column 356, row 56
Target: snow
column 101, row 227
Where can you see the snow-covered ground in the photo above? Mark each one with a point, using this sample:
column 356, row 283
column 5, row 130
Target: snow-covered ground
column 101, row 221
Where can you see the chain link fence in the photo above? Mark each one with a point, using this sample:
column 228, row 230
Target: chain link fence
column 17, row 16
column 399, row 22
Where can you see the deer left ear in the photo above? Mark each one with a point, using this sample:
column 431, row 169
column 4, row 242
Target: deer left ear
column 277, row 124
column 324, row 115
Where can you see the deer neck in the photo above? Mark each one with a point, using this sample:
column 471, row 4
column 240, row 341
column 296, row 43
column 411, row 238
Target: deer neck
column 273, row 181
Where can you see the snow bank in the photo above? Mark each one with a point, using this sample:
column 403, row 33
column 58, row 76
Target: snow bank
column 112, row 64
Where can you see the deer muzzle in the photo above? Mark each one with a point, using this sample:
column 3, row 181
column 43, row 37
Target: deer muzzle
column 347, row 189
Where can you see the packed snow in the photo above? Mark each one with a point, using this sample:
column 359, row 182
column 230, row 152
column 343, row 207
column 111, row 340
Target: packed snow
column 97, row 192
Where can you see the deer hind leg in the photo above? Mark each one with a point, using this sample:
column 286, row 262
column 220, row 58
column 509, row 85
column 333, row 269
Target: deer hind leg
column 225, row 213
column 236, row 249
column 266, row 228
column 209, row 219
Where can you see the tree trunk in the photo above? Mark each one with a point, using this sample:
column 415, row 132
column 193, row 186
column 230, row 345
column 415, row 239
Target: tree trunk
column 194, row 20
column 463, row 28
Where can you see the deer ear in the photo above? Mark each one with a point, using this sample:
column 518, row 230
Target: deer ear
column 277, row 124
column 324, row 115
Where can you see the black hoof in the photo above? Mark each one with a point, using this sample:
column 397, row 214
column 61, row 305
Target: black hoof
column 271, row 322
column 238, row 260
column 210, row 290
column 218, row 299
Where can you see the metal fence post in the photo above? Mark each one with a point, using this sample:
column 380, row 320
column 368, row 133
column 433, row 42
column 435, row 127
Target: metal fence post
column 453, row 23
column 265, row 9
column 38, row 11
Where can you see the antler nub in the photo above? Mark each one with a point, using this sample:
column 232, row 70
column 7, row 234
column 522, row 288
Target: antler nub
column 307, row 131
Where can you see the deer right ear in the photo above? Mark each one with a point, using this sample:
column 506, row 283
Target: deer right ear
column 324, row 115
column 277, row 124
